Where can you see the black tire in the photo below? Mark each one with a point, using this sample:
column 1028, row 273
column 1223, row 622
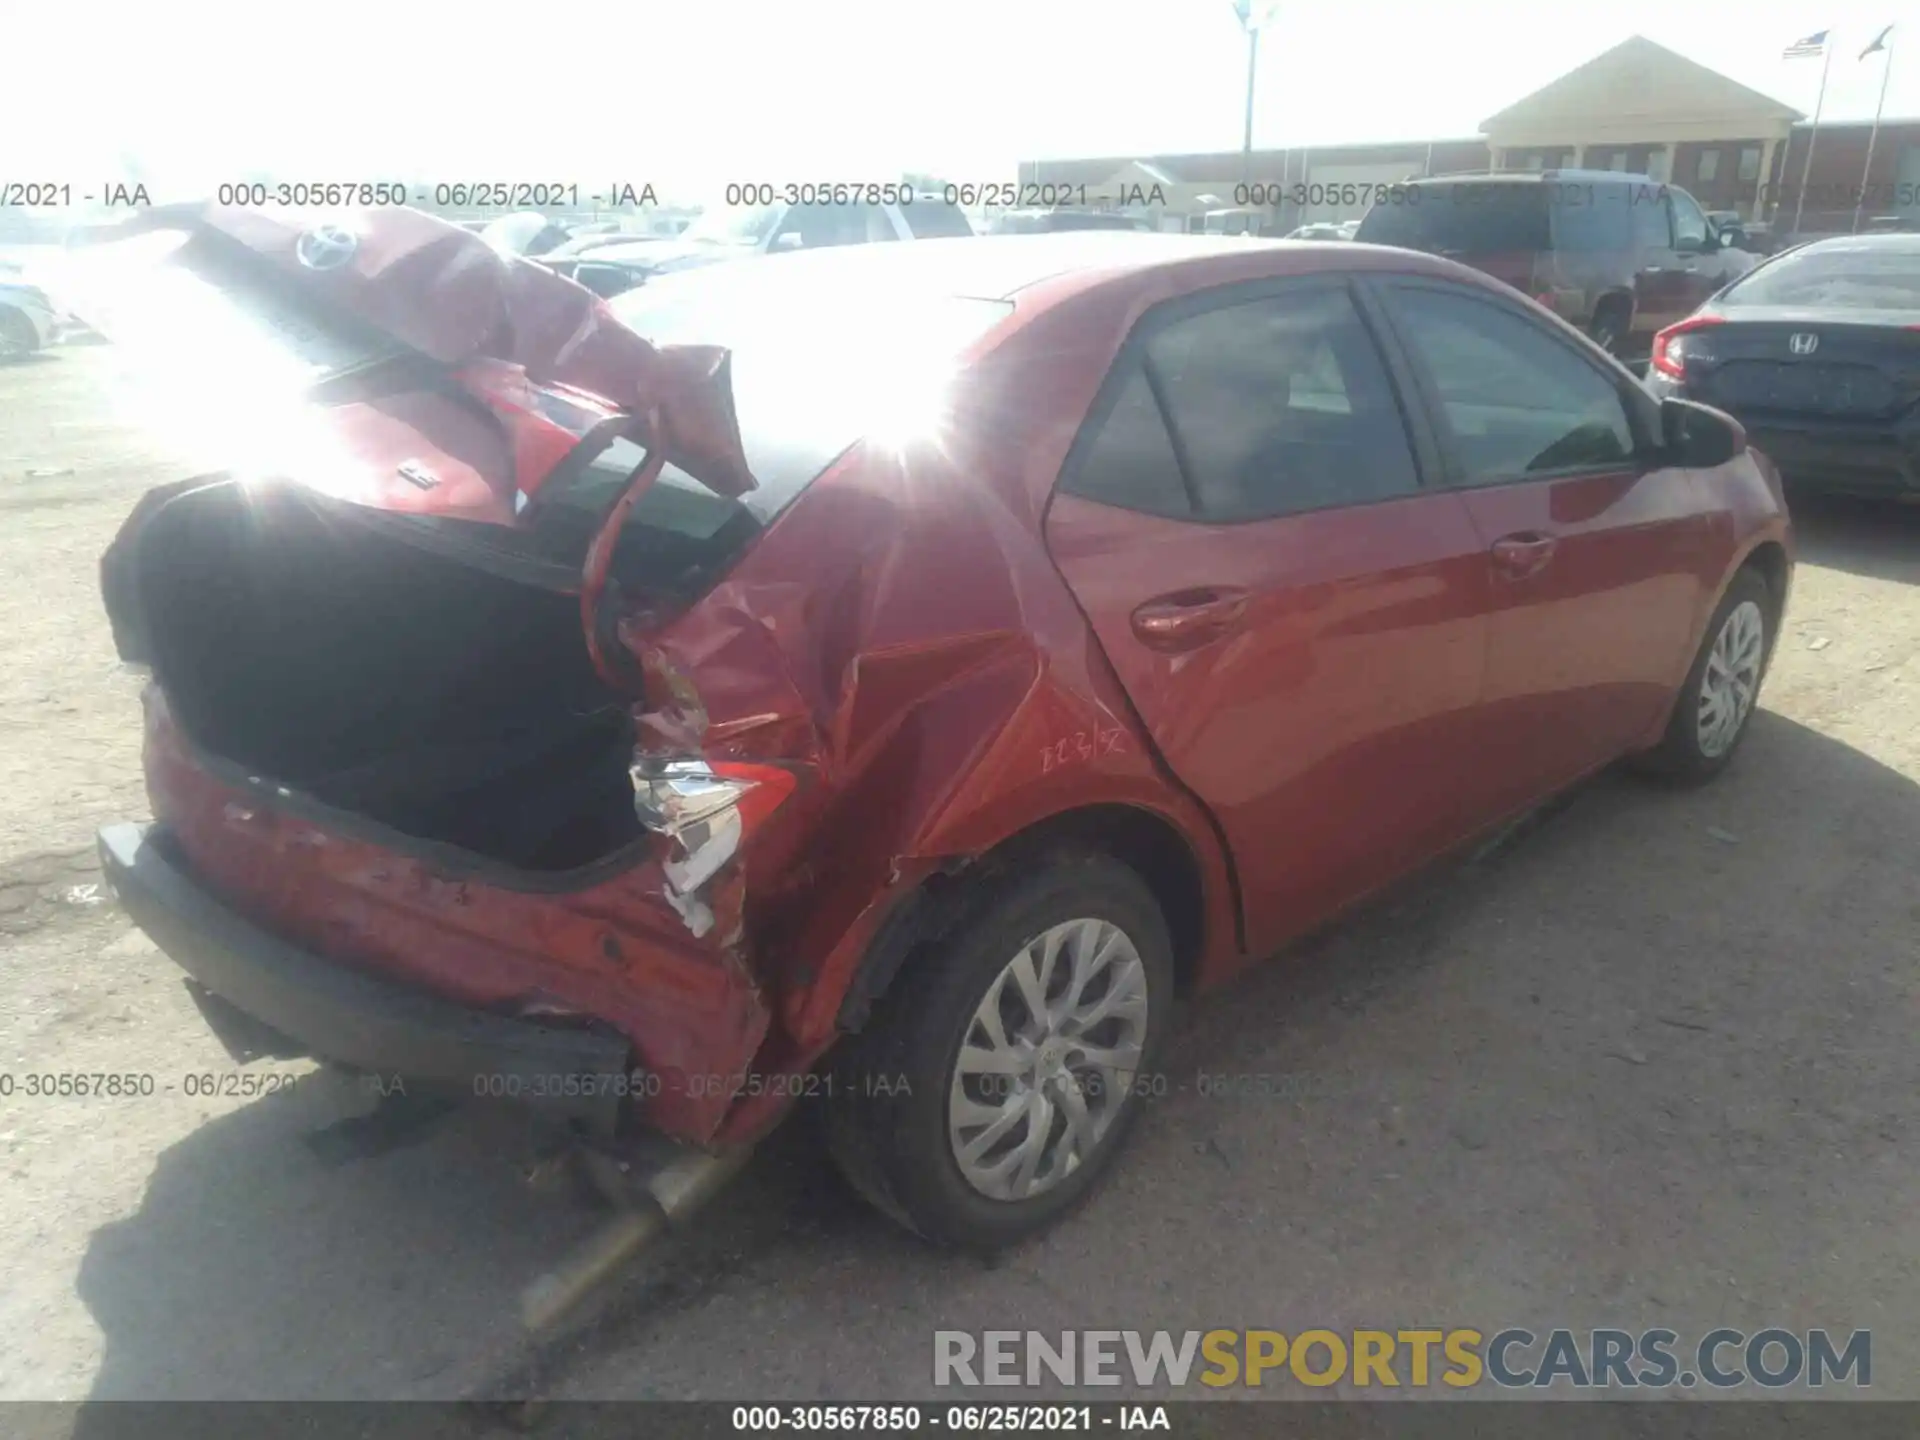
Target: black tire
column 18, row 338
column 1680, row 757
column 887, row 1121
column 1608, row 329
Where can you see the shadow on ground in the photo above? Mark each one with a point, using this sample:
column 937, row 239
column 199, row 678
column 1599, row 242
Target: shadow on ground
column 1650, row 1063
column 1875, row 538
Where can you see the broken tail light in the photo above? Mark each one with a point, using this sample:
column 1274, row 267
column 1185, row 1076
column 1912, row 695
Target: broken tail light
column 1669, row 355
column 709, row 811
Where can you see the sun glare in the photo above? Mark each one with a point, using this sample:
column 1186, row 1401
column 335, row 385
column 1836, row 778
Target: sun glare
column 201, row 375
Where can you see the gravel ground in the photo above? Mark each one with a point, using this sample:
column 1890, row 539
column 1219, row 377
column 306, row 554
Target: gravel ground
column 1651, row 1063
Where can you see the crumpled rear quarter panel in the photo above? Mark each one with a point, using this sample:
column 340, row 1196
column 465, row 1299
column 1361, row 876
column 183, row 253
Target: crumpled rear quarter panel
column 902, row 631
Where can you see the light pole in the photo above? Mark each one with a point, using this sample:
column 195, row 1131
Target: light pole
column 1253, row 15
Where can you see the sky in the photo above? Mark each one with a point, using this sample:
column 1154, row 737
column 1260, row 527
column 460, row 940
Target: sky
column 694, row 95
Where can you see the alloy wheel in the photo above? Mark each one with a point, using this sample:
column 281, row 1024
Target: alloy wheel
column 1048, row 1059
column 1731, row 679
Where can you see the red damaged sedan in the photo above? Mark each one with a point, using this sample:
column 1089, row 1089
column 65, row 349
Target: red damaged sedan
column 894, row 675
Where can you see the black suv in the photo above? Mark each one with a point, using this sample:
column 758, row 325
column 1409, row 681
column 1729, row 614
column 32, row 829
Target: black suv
column 1621, row 256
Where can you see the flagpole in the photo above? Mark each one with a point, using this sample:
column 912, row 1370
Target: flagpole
column 1813, row 135
column 1886, row 69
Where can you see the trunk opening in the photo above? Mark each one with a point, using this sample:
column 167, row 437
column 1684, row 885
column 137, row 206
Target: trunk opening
column 432, row 696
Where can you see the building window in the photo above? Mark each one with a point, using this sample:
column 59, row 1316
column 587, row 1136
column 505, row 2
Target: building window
column 1707, row 166
column 1749, row 163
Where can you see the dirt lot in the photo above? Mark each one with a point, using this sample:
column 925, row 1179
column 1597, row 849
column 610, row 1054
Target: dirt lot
column 1653, row 1062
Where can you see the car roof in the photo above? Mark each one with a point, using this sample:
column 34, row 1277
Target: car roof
column 1895, row 242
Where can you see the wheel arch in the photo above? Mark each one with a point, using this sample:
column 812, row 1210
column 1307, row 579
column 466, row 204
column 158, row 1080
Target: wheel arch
column 1146, row 841
column 1769, row 557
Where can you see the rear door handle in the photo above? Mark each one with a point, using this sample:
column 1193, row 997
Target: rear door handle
column 1527, row 553
column 1189, row 618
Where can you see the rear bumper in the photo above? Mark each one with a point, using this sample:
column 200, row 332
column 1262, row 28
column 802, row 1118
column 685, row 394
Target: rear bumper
column 1844, row 458
column 1848, row 457
column 334, row 1013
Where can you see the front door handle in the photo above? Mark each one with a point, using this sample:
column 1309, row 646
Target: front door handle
column 1189, row 618
column 1522, row 555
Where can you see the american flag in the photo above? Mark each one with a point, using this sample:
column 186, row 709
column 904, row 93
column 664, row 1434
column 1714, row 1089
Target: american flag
column 1814, row 44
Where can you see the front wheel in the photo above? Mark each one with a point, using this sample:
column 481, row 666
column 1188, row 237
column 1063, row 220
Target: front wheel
column 1717, row 700
column 995, row 1084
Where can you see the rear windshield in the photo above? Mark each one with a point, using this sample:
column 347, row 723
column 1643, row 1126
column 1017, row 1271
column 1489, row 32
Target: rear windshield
column 1841, row 277
column 812, row 371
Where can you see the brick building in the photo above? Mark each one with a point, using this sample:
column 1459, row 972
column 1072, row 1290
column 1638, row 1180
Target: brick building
column 1638, row 107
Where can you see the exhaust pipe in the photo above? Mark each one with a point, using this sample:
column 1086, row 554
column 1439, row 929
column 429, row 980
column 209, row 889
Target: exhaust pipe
column 673, row 1194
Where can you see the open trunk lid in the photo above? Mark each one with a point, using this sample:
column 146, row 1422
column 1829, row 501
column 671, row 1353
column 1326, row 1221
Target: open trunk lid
column 397, row 362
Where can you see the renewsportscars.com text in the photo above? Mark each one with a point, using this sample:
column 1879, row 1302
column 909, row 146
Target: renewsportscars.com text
column 1512, row 1358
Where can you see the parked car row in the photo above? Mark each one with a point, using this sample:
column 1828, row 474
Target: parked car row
column 612, row 265
column 1019, row 634
column 1814, row 349
column 1036, row 221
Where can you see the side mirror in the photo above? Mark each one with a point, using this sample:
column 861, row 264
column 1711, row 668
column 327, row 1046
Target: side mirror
column 1698, row 436
column 790, row 240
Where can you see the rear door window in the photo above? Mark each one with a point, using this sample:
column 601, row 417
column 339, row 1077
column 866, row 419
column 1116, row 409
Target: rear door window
column 1269, row 407
column 1283, row 405
column 1131, row 462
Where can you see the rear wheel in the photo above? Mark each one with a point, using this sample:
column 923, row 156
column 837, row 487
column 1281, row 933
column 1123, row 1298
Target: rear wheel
column 996, row 1082
column 1711, row 714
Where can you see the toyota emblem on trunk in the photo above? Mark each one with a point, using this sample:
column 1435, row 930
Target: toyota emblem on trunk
column 1805, row 343
column 327, row 247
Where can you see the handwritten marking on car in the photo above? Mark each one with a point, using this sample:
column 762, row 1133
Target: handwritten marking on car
column 1079, row 746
